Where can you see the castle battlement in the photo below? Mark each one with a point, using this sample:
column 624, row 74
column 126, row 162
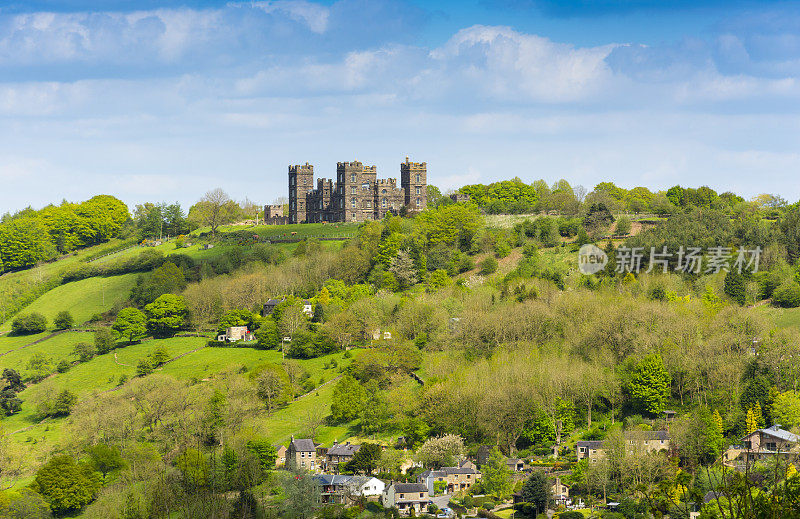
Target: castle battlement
column 357, row 194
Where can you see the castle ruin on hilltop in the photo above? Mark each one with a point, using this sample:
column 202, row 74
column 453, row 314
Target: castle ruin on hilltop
column 357, row 194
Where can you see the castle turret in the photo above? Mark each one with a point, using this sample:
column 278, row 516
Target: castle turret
column 414, row 181
column 301, row 181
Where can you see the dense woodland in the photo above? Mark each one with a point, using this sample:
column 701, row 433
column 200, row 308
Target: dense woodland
column 514, row 348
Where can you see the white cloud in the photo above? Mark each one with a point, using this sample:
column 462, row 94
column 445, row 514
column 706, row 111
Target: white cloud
column 314, row 15
column 506, row 64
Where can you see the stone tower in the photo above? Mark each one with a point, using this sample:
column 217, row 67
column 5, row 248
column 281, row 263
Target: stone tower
column 355, row 185
column 414, row 182
column 301, row 181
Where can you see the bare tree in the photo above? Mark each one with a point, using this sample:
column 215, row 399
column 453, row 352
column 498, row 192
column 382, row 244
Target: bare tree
column 580, row 192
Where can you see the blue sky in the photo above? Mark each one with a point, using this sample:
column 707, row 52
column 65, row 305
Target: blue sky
column 166, row 99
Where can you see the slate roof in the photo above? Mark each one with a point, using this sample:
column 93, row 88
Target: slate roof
column 655, row 435
column 332, row 479
column 710, row 496
column 409, row 488
column 343, row 449
column 591, row 444
column 304, row 445
column 459, row 470
column 446, row 471
column 776, row 432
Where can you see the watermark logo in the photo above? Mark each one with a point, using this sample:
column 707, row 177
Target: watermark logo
column 691, row 260
column 591, row 259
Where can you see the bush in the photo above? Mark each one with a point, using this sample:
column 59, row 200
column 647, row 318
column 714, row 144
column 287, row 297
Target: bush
column 144, row 367
column 29, row 324
column 488, row 266
column 623, row 226
column 103, row 340
column 63, row 366
column 787, row 296
column 570, row 515
column 63, row 320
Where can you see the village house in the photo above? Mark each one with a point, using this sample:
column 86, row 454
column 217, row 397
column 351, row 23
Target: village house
column 339, row 454
column 636, row 442
column 235, row 334
column 339, row 489
column 280, row 460
column 515, row 464
column 302, row 455
column 559, row 491
column 269, row 306
column 646, row 441
column 591, row 449
column 453, row 479
column 760, row 445
column 468, row 464
column 406, row 497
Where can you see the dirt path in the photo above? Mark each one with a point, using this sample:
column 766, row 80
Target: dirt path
column 120, row 363
column 35, row 342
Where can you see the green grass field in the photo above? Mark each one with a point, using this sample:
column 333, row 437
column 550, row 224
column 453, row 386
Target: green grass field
column 783, row 317
column 82, row 299
column 10, row 342
column 302, row 230
column 16, row 285
column 100, row 374
column 57, row 348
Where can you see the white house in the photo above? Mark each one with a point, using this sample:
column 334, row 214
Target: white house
column 236, row 333
column 368, row 486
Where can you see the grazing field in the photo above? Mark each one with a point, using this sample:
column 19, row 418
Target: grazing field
column 82, row 299
column 25, row 285
column 102, row 373
column 57, row 348
column 301, row 230
column 12, row 342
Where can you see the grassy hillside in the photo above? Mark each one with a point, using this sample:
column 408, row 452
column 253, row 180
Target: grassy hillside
column 57, row 348
column 9, row 343
column 82, row 299
column 22, row 287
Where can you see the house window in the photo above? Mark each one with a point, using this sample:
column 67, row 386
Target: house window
column 420, row 494
column 365, row 186
column 383, row 203
column 402, row 496
column 384, row 191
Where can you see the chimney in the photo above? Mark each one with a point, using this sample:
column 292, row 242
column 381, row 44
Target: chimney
column 292, row 438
